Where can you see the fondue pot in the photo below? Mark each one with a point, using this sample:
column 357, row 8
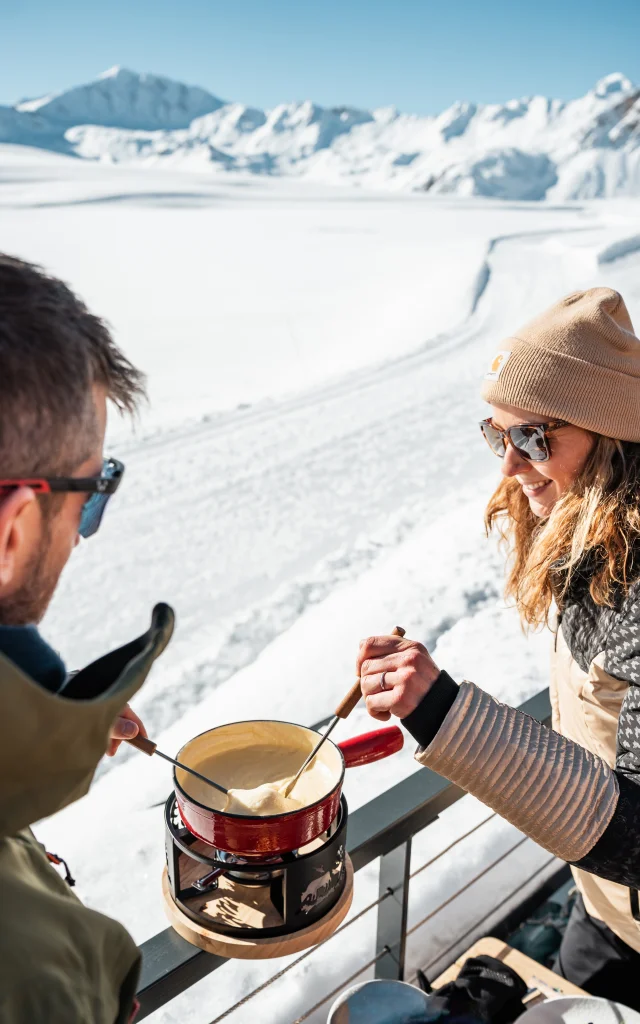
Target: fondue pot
column 273, row 834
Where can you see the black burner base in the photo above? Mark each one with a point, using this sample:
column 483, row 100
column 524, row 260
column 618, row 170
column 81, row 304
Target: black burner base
column 294, row 890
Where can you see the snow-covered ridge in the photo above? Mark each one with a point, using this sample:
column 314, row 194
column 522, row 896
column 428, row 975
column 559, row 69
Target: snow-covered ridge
column 124, row 99
column 532, row 148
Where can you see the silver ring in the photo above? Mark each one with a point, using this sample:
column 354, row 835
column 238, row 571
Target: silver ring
column 382, row 682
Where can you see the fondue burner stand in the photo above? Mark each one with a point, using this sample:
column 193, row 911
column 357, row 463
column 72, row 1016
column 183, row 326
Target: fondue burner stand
column 256, row 906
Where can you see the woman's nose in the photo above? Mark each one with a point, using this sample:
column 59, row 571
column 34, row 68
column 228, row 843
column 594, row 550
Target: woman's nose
column 513, row 463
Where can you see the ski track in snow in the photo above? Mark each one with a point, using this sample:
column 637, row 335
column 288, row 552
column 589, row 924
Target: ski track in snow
column 620, row 249
column 282, row 533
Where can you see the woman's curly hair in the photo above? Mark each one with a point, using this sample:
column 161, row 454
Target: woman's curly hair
column 596, row 523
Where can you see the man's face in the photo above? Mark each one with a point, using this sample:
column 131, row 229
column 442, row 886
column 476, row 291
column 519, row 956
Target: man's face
column 34, row 547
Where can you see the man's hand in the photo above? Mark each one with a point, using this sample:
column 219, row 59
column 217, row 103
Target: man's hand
column 125, row 727
column 409, row 674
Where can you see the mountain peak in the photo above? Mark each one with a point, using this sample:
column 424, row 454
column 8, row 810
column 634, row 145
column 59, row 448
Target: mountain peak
column 114, row 72
column 611, row 84
column 120, row 98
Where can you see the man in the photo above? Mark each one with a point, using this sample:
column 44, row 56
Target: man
column 60, row 963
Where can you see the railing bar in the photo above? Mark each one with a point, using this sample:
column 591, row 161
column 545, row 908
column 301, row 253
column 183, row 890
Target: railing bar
column 468, row 885
column 391, row 925
column 477, row 924
column 451, row 845
column 340, row 988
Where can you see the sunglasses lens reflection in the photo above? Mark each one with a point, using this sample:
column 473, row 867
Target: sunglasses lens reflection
column 494, row 437
column 530, row 442
column 92, row 513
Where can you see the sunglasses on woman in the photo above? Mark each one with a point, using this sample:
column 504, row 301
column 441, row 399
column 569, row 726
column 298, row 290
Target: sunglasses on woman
column 530, row 440
column 99, row 488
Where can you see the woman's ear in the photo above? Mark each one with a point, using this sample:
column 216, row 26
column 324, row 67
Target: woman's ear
column 19, row 528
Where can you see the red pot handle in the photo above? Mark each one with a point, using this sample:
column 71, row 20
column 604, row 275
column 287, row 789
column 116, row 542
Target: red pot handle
column 372, row 746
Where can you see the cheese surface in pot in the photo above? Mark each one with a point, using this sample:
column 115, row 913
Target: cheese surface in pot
column 255, row 777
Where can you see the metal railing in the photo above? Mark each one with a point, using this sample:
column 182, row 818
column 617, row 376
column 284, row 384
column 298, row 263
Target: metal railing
column 382, row 828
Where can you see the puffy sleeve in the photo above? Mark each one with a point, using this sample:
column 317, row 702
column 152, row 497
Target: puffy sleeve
column 561, row 795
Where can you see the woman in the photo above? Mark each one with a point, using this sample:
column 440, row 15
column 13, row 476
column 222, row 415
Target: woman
column 565, row 419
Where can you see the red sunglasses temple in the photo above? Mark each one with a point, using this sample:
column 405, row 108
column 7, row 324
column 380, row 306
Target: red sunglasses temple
column 38, row 485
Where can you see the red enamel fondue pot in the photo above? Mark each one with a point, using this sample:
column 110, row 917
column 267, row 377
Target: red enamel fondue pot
column 273, row 833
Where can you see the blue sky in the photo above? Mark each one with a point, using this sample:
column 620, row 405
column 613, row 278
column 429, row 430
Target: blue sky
column 416, row 54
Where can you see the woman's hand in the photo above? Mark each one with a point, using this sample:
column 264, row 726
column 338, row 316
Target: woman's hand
column 409, row 674
column 126, row 726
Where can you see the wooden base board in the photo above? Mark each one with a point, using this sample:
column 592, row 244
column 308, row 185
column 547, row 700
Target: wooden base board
column 224, row 901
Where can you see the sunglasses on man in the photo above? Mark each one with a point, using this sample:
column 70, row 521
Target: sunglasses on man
column 99, row 488
column 530, row 440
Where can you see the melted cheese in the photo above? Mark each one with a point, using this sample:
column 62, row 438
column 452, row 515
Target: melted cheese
column 255, row 777
column 266, row 799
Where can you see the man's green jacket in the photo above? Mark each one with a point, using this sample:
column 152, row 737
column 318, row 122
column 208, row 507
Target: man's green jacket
column 61, row 963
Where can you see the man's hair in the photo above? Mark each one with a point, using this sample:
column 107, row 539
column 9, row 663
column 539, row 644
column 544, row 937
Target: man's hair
column 52, row 353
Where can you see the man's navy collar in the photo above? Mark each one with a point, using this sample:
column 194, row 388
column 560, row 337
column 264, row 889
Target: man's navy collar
column 24, row 646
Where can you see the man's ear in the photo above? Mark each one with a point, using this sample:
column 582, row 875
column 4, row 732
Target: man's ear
column 16, row 524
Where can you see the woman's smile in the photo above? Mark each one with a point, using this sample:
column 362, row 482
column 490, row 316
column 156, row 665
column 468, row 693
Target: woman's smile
column 532, row 488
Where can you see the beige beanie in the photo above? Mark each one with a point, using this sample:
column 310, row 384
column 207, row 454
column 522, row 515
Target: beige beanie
column 579, row 361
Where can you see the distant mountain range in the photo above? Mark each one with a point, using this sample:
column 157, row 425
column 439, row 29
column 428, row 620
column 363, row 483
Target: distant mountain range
column 534, row 148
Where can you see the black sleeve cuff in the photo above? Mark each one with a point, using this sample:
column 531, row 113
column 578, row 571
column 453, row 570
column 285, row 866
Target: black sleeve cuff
column 615, row 855
column 424, row 722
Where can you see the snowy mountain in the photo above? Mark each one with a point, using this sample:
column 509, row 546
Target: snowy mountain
column 124, row 99
column 532, row 148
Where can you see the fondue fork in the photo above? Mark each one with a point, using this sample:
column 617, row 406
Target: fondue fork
column 149, row 747
column 343, row 710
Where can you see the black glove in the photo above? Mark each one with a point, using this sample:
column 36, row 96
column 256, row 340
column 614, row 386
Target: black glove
column 485, row 992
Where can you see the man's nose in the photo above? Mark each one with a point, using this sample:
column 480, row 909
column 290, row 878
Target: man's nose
column 513, row 463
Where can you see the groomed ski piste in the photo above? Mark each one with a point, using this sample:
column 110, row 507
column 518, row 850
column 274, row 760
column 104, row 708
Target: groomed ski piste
column 309, row 471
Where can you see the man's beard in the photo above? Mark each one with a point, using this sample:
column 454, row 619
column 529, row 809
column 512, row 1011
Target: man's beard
column 29, row 603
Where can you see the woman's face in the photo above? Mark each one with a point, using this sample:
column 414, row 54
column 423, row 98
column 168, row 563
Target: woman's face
column 543, row 483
